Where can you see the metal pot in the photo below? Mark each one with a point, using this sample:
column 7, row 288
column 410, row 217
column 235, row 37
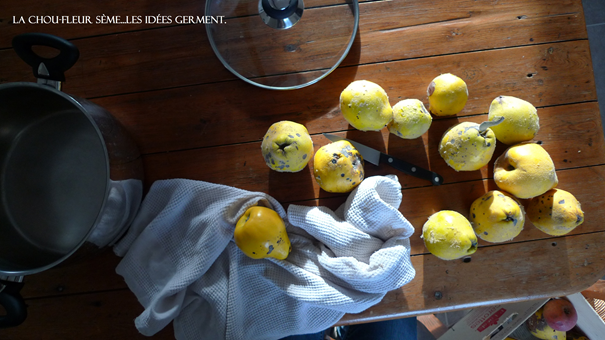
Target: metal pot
column 70, row 177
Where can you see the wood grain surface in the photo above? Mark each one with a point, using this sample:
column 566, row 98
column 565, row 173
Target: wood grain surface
column 192, row 118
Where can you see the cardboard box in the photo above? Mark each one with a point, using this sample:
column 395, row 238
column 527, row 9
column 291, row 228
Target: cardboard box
column 588, row 320
column 492, row 322
column 499, row 321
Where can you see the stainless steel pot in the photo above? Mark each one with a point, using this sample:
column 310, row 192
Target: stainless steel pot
column 70, row 177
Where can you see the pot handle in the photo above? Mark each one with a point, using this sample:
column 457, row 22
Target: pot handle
column 56, row 66
column 13, row 303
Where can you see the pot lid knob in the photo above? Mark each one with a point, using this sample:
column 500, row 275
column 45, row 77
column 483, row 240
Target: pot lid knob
column 280, row 14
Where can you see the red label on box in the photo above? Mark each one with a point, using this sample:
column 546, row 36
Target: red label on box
column 492, row 320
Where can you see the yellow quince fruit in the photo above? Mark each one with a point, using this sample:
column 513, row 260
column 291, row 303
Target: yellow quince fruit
column 497, row 216
column 410, row 119
column 525, row 170
column 556, row 212
column 521, row 122
column 338, row 167
column 449, row 235
column 287, row 146
column 365, row 105
column 447, row 95
column 466, row 147
column 260, row 233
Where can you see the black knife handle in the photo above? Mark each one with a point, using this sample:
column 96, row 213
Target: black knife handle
column 411, row 169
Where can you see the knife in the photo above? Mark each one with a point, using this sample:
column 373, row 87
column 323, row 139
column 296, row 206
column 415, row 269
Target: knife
column 376, row 157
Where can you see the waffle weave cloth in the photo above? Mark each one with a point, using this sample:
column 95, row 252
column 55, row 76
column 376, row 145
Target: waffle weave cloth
column 181, row 262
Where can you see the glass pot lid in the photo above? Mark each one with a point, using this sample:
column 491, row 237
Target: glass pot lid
column 281, row 44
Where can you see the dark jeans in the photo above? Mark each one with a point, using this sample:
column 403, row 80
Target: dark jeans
column 399, row 329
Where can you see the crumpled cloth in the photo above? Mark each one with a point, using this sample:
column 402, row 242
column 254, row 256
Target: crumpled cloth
column 121, row 207
column 180, row 261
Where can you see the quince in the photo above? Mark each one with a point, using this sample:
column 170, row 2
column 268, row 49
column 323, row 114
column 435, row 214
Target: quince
column 260, row 233
column 287, row 146
column 338, row 167
column 521, row 122
column 410, row 119
column 497, row 217
column 556, row 212
column 538, row 327
column 447, row 95
column 449, row 235
column 525, row 170
column 466, row 147
column 365, row 105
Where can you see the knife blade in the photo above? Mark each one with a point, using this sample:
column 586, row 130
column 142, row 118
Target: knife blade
column 376, row 157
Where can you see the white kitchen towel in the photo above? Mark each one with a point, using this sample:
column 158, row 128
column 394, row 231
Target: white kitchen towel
column 180, row 260
column 121, row 207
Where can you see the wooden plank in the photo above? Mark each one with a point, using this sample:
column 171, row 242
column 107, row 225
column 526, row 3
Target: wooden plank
column 92, row 274
column 457, row 26
column 90, row 8
column 134, row 61
column 433, row 325
column 98, row 273
column 596, row 291
column 242, row 165
column 417, row 15
column 94, row 9
column 459, row 197
column 570, row 133
column 387, row 35
column 109, row 314
column 574, row 263
column 235, row 112
column 125, row 63
column 97, row 316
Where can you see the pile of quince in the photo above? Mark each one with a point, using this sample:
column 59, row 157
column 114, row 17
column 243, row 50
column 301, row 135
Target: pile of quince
column 524, row 172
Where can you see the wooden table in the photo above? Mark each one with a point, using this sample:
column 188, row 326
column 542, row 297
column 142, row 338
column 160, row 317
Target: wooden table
column 194, row 119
